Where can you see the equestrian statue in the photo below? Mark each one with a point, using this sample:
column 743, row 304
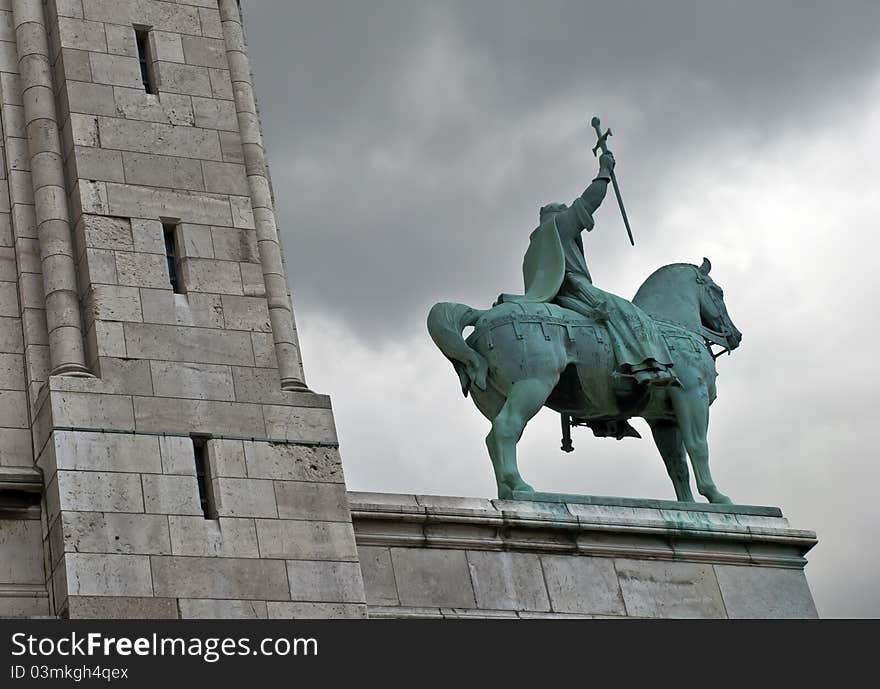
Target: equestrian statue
column 591, row 355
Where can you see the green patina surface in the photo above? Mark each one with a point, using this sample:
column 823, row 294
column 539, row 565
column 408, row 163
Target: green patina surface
column 649, row 503
column 596, row 358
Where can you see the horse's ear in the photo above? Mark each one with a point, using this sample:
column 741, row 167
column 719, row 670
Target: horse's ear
column 706, row 267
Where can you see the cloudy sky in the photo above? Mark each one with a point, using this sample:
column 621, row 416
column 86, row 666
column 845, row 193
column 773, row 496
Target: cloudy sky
column 413, row 142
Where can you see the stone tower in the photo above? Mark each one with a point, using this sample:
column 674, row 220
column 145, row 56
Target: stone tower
column 160, row 453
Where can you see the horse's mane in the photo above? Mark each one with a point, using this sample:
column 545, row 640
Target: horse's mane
column 661, row 272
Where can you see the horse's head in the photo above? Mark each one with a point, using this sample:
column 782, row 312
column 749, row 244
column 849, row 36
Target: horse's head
column 713, row 311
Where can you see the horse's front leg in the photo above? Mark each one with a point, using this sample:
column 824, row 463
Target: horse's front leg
column 525, row 399
column 691, row 405
column 668, row 440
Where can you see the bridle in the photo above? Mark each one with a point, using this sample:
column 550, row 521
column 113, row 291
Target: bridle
column 722, row 339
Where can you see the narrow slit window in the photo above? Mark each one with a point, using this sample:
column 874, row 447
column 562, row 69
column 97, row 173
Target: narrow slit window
column 145, row 56
column 203, row 477
column 169, row 231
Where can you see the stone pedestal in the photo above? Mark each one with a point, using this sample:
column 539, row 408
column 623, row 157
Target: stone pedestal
column 578, row 556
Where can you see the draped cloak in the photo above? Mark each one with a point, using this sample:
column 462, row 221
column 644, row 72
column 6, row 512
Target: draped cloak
column 555, row 269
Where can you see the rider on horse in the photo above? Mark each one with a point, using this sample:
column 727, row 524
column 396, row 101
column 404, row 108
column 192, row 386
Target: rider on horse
column 555, row 270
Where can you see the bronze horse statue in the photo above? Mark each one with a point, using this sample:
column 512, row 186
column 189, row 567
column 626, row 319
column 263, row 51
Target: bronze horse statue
column 523, row 356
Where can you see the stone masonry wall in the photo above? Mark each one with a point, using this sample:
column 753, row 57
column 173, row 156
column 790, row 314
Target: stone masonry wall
column 124, row 533
column 428, row 556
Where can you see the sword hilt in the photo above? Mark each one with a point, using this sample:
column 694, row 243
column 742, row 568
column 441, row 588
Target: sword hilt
column 601, row 142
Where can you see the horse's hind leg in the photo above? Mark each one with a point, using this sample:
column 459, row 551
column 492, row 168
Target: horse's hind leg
column 671, row 447
column 525, row 399
column 691, row 407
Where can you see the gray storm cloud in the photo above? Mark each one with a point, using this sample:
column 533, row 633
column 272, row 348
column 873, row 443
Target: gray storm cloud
column 413, row 142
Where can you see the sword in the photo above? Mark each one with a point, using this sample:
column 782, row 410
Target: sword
column 601, row 144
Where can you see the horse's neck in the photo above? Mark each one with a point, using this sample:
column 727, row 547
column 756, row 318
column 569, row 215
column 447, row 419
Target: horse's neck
column 667, row 301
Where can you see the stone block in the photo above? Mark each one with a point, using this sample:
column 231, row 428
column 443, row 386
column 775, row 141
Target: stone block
column 223, row 537
column 92, row 99
column 154, row 137
column 751, row 592
column 226, row 458
column 177, row 455
column 11, row 340
column 378, row 573
column 81, row 34
column 225, row 178
column 9, row 300
column 121, row 608
column 107, row 232
column 171, row 495
column 162, row 16
column 150, row 202
column 233, row 244
column 163, row 171
column 293, row 462
column 264, row 348
column 669, row 589
column 107, row 575
column 327, row 582
column 12, row 371
column 142, row 270
column 221, row 83
column 195, row 241
column 211, row 113
column 90, row 491
column 170, row 343
column 99, row 267
column 25, row 606
column 112, row 303
column 82, row 451
column 121, row 40
column 207, row 52
column 167, row 46
column 586, row 585
column 135, row 104
column 109, row 339
column 257, row 384
column 109, row 532
column 74, row 65
column 212, row 609
column 184, row 79
column 246, row 313
column 244, row 497
column 174, row 415
column 508, row 581
column 17, row 447
column 148, row 236
column 306, row 540
column 300, row 423
column 21, row 544
column 230, row 145
column 242, row 213
column 433, row 578
column 120, row 376
column 310, row 500
column 193, row 309
column 210, row 18
column 213, row 577
column 116, row 70
column 86, row 410
column 195, row 381
column 316, row 611
column 209, row 275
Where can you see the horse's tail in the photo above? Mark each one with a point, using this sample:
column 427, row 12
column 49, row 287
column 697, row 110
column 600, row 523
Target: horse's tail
column 446, row 321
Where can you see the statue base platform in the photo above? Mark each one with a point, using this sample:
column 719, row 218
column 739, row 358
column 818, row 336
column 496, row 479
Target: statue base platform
column 555, row 555
column 755, row 510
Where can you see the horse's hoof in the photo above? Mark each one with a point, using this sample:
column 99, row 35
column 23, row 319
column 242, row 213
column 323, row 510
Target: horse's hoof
column 720, row 499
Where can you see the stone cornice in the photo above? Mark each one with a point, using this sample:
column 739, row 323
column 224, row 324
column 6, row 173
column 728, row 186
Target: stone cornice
column 617, row 530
